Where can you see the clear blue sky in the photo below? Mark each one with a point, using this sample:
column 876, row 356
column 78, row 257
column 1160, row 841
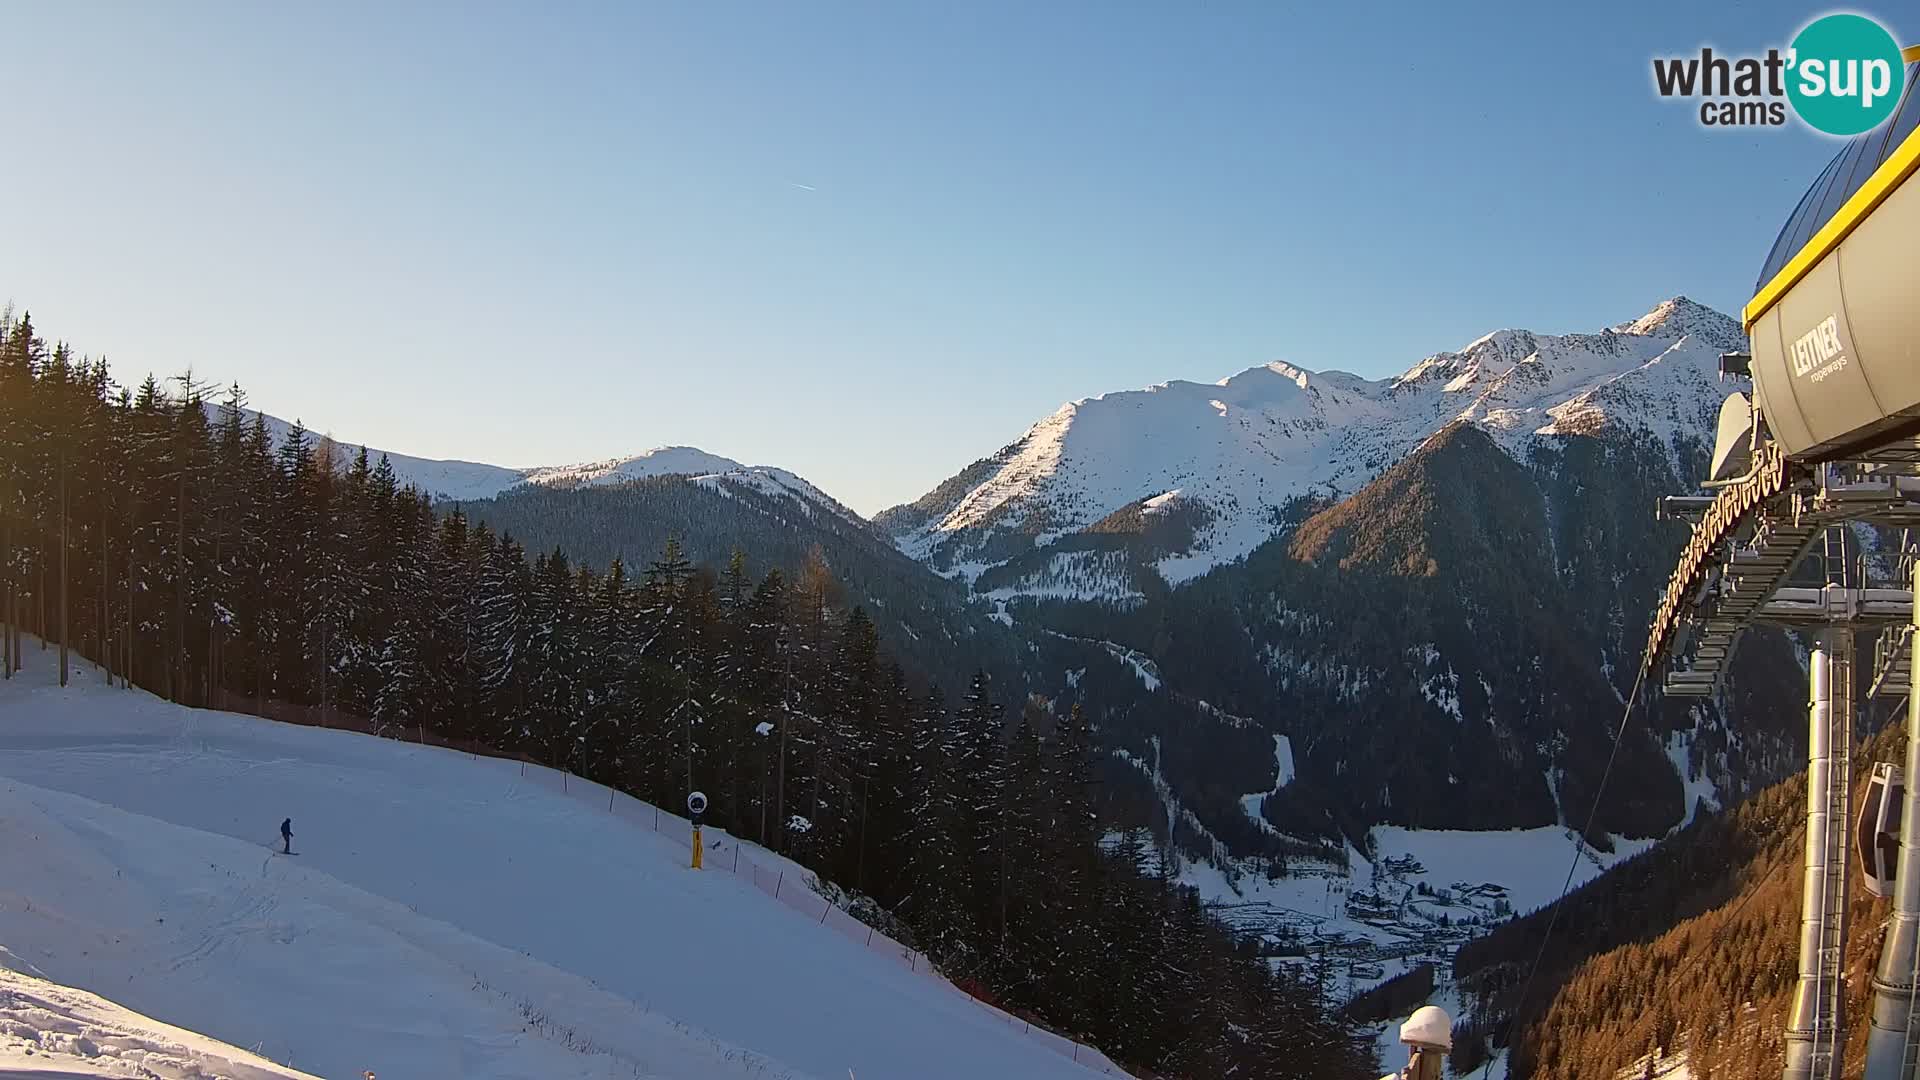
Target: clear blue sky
column 531, row 234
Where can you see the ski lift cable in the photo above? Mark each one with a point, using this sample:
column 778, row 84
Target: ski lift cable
column 1573, row 866
column 1789, row 860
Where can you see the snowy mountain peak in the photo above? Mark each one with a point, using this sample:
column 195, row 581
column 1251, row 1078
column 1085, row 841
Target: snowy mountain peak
column 1239, row 451
column 1680, row 317
column 659, row 461
column 1279, row 380
column 1297, row 376
column 466, row 481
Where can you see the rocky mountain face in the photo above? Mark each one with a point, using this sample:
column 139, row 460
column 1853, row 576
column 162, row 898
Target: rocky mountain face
column 1435, row 586
column 1114, row 497
column 1451, row 646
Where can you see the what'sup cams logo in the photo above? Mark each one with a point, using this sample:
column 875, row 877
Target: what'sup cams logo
column 1842, row 75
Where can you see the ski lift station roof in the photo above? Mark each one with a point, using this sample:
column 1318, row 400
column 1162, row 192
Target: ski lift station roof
column 1834, row 323
column 1843, row 176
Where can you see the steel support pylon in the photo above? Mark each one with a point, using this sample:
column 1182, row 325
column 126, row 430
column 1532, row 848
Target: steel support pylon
column 1816, row 1029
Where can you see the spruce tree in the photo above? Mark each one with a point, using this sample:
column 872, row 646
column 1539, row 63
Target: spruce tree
column 200, row 557
column 938, row 896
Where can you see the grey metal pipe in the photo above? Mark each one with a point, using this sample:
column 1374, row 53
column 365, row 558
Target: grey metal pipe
column 1888, row 1033
column 1810, row 1030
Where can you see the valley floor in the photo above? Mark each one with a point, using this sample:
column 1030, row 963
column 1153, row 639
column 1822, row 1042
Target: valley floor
column 1374, row 923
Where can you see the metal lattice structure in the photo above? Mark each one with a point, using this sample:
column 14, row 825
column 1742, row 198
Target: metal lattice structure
column 1828, row 444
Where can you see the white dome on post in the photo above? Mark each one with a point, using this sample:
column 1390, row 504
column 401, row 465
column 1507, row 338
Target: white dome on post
column 1428, row 1028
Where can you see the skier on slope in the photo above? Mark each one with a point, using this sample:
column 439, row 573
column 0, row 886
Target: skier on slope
column 286, row 835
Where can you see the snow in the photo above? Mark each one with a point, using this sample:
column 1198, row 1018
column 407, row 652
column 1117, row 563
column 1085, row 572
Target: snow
column 1283, row 775
column 1694, row 788
column 778, row 484
column 1531, row 864
column 1282, row 762
column 468, row 481
column 1244, row 446
column 1386, row 1039
column 660, row 461
column 1443, row 691
column 1160, row 503
column 1176, row 816
column 1142, row 665
column 1372, row 920
column 444, row 916
column 1105, row 576
column 53, row 1031
column 1665, row 1067
column 459, row 481
column 1317, row 899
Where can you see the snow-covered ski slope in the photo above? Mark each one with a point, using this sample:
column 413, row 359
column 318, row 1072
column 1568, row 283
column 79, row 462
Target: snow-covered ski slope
column 445, row 916
column 51, row 1031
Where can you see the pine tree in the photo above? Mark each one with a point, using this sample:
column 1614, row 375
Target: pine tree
column 290, row 568
column 981, row 778
column 937, row 901
column 504, row 640
column 844, row 774
column 259, row 526
column 454, row 629
column 889, row 793
column 406, row 683
column 20, row 434
column 553, row 661
column 1025, row 930
column 198, row 556
column 766, row 692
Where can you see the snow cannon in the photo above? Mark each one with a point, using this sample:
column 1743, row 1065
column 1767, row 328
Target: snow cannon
column 1427, row 1035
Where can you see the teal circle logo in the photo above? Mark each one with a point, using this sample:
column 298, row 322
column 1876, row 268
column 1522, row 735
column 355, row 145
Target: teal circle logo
column 1845, row 74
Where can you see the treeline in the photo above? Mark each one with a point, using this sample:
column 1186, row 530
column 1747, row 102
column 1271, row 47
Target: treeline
column 920, row 615
column 1397, row 996
column 186, row 548
column 1689, row 947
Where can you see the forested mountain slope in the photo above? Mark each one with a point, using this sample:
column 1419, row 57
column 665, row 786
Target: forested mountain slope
column 1435, row 587
column 1450, row 648
column 1687, row 949
column 184, row 549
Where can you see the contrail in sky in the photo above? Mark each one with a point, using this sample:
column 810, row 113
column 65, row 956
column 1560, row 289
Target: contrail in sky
column 803, row 187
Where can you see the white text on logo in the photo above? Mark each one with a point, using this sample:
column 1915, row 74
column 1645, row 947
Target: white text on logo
column 1817, row 346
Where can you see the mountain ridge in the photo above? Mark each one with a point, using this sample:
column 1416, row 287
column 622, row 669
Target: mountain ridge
column 1290, row 467
column 1240, row 449
column 457, row 481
